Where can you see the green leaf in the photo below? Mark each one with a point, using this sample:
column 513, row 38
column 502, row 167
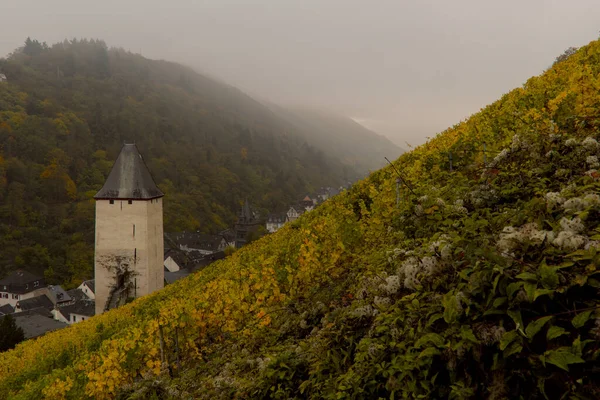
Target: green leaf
column 548, row 276
column 516, row 317
column 530, row 290
column 508, row 338
column 434, row 318
column 432, row 338
column 499, row 301
column 527, row 276
column 541, row 292
column 581, row 319
column 513, row 348
column 429, row 352
column 554, row 332
column 452, row 307
column 466, row 333
column 535, row 326
column 562, row 358
column 512, row 288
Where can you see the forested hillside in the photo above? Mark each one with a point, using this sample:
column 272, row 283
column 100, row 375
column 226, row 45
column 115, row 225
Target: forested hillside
column 349, row 141
column 65, row 111
column 477, row 281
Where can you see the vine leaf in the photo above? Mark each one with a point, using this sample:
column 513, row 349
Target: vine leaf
column 561, row 357
column 535, row 326
column 581, row 319
column 554, row 332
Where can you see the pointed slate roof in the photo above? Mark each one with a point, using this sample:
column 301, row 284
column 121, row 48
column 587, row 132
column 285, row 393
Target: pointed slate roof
column 129, row 178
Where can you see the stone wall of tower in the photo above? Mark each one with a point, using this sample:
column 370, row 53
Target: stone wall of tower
column 129, row 248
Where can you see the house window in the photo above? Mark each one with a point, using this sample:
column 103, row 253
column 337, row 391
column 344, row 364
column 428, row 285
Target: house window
column 27, row 286
column 74, row 318
column 82, row 318
column 111, row 201
column 129, row 201
column 36, row 283
column 15, row 297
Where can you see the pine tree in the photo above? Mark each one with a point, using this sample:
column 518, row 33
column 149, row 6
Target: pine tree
column 10, row 333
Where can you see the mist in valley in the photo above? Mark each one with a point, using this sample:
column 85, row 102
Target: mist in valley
column 405, row 69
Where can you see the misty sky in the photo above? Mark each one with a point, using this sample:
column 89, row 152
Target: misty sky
column 407, row 69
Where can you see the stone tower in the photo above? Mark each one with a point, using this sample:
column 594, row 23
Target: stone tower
column 128, row 260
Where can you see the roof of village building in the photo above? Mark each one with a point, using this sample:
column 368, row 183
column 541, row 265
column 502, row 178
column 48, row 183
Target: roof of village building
column 33, row 303
column 6, row 309
column 196, row 240
column 77, row 294
column 171, row 277
column 35, row 324
column 176, row 255
column 277, row 218
column 57, row 294
column 91, row 284
column 129, row 178
column 19, row 278
column 85, row 307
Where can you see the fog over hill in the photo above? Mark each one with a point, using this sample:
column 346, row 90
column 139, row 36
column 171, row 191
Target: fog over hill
column 407, row 69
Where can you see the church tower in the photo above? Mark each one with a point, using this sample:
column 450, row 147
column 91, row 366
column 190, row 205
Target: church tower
column 128, row 260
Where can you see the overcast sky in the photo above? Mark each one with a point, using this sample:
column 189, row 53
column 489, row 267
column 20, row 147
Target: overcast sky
column 407, row 69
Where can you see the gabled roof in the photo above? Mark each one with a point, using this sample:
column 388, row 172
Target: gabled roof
column 19, row 277
column 129, row 178
column 83, row 307
column 57, row 294
column 277, row 218
column 77, row 294
column 196, row 240
column 171, row 277
column 91, row 284
column 6, row 309
column 34, row 324
column 36, row 302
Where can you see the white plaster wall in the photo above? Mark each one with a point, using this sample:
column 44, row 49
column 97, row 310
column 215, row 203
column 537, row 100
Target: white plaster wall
column 171, row 265
column 13, row 302
column 115, row 237
column 59, row 316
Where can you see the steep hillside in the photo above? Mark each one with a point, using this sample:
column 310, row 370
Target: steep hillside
column 481, row 282
column 66, row 110
column 345, row 139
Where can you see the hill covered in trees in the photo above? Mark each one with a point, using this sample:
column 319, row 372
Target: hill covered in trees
column 66, row 110
column 477, row 281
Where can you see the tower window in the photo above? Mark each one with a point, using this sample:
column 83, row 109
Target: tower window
column 130, row 201
column 133, row 230
column 111, row 201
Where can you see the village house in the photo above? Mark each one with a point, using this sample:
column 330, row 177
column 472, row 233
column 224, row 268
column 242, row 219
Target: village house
column 275, row 222
column 294, row 212
column 174, row 260
column 19, row 285
column 80, row 310
column 88, row 288
column 34, row 303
